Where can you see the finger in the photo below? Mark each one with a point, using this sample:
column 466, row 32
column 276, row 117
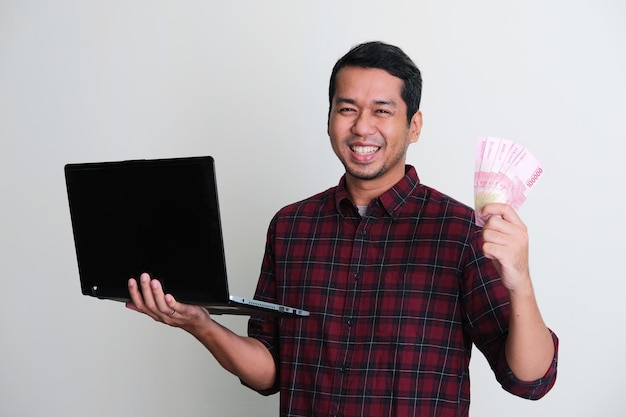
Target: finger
column 494, row 251
column 499, row 231
column 506, row 243
column 502, row 211
column 146, row 293
column 136, row 299
column 173, row 308
column 161, row 300
column 508, row 236
column 171, row 301
column 498, row 228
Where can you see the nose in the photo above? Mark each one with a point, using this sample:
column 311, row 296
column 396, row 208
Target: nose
column 363, row 125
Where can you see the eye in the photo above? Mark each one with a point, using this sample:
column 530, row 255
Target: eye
column 346, row 110
column 383, row 112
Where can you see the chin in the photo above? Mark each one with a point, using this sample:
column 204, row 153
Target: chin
column 365, row 174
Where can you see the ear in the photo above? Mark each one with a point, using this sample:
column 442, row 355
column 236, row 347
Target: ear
column 415, row 127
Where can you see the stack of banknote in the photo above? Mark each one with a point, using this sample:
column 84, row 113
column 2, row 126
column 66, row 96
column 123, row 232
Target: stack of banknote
column 504, row 172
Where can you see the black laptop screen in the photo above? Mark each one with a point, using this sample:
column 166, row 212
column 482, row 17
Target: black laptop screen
column 156, row 216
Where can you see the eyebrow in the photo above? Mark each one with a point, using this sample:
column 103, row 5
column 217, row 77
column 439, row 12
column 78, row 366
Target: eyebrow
column 390, row 103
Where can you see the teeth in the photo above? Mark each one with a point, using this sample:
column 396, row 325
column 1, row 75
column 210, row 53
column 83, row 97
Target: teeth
column 364, row 150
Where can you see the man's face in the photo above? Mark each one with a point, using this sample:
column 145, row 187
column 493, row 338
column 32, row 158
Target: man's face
column 368, row 124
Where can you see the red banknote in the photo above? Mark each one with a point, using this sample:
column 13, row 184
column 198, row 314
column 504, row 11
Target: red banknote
column 504, row 172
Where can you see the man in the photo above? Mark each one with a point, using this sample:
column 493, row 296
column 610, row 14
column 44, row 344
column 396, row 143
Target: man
column 399, row 280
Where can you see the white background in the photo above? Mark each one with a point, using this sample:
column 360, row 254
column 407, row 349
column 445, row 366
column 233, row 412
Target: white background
column 246, row 82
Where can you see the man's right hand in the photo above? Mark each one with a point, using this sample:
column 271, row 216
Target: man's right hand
column 147, row 297
column 245, row 357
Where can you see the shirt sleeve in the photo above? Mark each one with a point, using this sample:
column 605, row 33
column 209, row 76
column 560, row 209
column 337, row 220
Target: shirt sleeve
column 532, row 390
column 487, row 310
column 266, row 329
column 258, row 328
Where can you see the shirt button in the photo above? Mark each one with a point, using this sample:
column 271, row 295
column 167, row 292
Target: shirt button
column 356, row 277
column 349, row 321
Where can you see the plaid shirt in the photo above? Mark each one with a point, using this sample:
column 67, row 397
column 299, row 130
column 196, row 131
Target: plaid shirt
column 397, row 298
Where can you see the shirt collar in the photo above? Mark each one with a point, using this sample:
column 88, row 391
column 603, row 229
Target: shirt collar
column 391, row 200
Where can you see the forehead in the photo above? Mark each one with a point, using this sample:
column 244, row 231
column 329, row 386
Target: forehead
column 368, row 83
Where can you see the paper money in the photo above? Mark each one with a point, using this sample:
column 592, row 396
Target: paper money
column 504, row 172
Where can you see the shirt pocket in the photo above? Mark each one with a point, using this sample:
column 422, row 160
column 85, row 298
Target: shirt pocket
column 414, row 307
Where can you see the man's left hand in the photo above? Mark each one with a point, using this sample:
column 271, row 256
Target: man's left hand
column 505, row 239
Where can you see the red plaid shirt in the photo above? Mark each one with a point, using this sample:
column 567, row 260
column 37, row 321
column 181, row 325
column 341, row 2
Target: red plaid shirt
column 397, row 298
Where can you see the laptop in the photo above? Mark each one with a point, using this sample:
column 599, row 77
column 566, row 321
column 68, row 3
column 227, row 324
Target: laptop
column 159, row 216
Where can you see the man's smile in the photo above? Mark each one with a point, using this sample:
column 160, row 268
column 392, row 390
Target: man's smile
column 364, row 150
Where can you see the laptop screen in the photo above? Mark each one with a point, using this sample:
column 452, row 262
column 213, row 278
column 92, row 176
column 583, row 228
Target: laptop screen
column 156, row 216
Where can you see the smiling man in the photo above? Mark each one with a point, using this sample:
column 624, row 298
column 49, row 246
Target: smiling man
column 398, row 278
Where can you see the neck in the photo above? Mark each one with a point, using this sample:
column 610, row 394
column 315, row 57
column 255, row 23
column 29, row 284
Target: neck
column 363, row 191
